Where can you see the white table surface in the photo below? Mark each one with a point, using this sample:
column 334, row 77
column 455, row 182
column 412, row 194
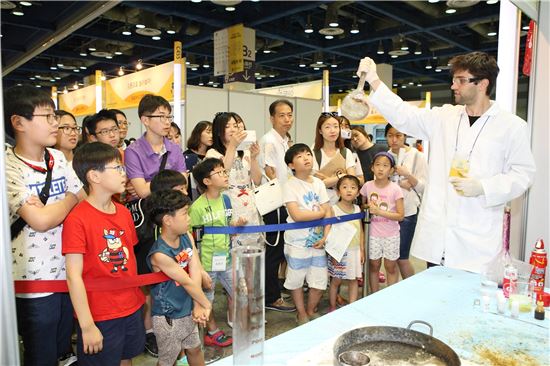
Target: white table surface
column 441, row 296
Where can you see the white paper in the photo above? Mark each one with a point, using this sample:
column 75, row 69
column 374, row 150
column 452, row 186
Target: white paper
column 338, row 239
column 248, row 140
column 218, row 263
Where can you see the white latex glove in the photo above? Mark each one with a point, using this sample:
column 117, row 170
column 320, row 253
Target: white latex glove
column 468, row 187
column 368, row 66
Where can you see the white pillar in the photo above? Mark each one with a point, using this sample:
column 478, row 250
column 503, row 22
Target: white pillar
column 508, row 55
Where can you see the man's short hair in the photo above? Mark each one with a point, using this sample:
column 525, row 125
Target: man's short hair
column 60, row 113
column 274, row 105
column 93, row 156
column 480, row 64
column 117, row 111
column 149, row 104
column 165, row 202
column 295, row 150
column 204, row 169
column 22, row 101
column 167, row 179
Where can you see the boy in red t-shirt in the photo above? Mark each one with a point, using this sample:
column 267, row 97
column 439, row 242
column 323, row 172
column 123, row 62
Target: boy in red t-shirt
column 98, row 240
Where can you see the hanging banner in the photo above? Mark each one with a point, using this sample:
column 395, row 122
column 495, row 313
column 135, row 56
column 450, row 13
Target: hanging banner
column 235, row 48
column 310, row 90
column 126, row 91
column 80, row 102
column 528, row 50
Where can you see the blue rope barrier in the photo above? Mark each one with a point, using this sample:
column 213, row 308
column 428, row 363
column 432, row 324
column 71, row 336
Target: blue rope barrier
column 281, row 227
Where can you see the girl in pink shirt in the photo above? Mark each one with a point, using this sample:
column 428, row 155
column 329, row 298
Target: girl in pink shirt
column 385, row 202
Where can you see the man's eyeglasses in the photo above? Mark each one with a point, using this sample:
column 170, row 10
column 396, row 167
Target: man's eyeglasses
column 119, row 168
column 50, row 117
column 168, row 118
column 67, row 130
column 222, row 173
column 107, row 132
column 464, row 81
column 330, row 114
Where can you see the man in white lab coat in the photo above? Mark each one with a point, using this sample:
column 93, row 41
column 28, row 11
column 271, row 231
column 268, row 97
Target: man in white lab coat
column 461, row 216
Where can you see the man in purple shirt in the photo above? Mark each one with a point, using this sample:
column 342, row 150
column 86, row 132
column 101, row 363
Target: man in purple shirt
column 143, row 158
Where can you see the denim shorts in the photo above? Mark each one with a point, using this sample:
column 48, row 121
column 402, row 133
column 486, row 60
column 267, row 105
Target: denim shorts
column 226, row 279
column 123, row 339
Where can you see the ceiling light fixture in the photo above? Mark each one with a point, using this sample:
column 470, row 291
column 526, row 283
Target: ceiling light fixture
column 194, row 69
column 492, row 2
column 25, row 3
column 428, row 65
column 403, row 86
column 196, row 1
column 418, row 84
column 308, row 28
column 206, row 64
column 403, row 46
column 200, row 82
column 118, row 53
column 418, row 49
column 126, row 32
column 316, row 68
column 120, row 71
column 18, row 11
column 140, row 26
column 354, row 27
column 329, row 37
column 76, row 70
column 32, row 78
column 139, row 65
column 171, row 31
column 83, row 67
column 83, row 53
column 92, row 49
column 394, row 56
column 155, row 38
column 57, row 78
column 38, row 85
column 450, row 11
column 525, row 27
column 437, row 69
column 433, row 1
column 53, row 67
column 332, row 16
column 302, row 63
column 492, row 31
column 380, row 48
column 109, row 57
column 229, row 8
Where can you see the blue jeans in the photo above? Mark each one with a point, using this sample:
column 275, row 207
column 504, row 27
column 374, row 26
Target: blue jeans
column 406, row 233
column 45, row 324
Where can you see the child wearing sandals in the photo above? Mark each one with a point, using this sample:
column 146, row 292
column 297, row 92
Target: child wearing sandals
column 349, row 268
column 385, row 201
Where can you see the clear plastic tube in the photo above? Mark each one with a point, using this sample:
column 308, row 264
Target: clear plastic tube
column 248, row 305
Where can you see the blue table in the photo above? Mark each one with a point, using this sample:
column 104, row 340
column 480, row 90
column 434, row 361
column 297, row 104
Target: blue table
column 441, row 296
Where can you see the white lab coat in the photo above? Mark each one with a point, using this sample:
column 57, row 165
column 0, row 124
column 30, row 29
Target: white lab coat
column 467, row 230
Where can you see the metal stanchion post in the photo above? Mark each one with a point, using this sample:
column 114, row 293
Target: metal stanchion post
column 366, row 224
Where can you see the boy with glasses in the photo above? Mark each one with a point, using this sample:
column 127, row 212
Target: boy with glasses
column 98, row 240
column 213, row 208
column 123, row 125
column 102, row 127
column 42, row 188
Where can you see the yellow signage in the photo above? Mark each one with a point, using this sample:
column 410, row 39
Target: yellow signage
column 126, row 91
column 235, row 45
column 310, row 90
column 80, row 102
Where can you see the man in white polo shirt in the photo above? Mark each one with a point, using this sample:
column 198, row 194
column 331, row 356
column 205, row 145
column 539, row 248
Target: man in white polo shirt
column 274, row 145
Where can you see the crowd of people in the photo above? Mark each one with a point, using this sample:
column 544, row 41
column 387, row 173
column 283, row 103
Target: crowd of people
column 90, row 206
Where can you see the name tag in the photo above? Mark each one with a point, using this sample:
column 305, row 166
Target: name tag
column 219, row 262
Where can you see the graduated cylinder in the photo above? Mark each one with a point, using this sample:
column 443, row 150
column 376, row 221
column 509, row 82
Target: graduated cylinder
column 248, row 305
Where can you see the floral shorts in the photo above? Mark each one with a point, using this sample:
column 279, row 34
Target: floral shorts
column 387, row 248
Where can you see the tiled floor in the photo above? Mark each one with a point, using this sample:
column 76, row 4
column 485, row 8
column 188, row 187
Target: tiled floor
column 277, row 322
